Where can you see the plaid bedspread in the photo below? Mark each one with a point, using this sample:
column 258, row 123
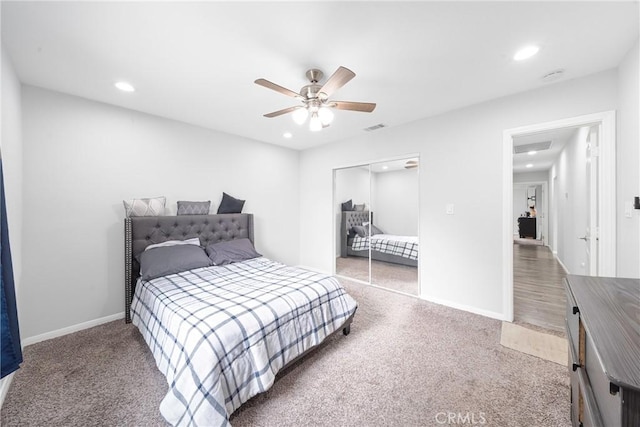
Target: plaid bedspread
column 404, row 246
column 220, row 334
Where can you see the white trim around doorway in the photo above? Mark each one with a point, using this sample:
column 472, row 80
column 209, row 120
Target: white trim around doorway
column 606, row 199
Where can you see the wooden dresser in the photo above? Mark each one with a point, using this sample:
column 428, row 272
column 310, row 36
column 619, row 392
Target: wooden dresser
column 603, row 329
column 527, row 227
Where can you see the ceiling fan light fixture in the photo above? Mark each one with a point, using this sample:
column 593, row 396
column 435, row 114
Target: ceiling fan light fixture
column 326, row 115
column 315, row 124
column 315, row 99
column 300, row 115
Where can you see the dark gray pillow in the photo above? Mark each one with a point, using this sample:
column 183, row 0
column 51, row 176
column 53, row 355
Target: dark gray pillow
column 232, row 251
column 363, row 230
column 360, row 230
column 167, row 260
column 230, row 204
column 194, row 208
column 347, row 206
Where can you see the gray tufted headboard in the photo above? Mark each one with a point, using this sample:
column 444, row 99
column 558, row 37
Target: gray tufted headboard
column 350, row 219
column 140, row 232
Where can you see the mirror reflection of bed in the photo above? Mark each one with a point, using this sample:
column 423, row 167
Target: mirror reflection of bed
column 377, row 224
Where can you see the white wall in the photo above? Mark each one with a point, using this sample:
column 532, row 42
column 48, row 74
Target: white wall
column 452, row 147
column 628, row 165
column 395, row 203
column 11, row 154
column 11, row 146
column 353, row 184
column 85, row 157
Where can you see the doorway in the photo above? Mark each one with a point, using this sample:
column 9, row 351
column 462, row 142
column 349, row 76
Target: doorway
column 604, row 158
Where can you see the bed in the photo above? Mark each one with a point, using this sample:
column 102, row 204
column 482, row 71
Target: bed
column 221, row 333
column 384, row 247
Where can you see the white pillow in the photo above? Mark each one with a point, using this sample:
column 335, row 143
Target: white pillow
column 153, row 206
column 194, row 241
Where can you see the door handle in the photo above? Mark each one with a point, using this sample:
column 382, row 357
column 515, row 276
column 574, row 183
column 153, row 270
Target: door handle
column 585, row 238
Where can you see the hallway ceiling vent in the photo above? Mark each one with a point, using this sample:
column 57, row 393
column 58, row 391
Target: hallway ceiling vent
column 536, row 146
column 375, row 127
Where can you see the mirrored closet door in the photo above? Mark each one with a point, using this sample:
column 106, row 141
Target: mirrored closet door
column 352, row 201
column 377, row 217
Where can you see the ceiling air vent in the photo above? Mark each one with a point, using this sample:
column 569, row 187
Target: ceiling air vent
column 375, row 127
column 536, row 146
column 552, row 76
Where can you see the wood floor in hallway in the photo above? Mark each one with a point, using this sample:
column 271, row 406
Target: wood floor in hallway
column 538, row 290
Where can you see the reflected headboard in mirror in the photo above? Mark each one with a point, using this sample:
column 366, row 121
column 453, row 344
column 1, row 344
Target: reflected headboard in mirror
column 351, row 219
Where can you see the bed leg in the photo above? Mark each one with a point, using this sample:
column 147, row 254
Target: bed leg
column 347, row 329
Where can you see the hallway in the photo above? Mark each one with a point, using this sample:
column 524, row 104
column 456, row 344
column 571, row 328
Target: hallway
column 538, row 290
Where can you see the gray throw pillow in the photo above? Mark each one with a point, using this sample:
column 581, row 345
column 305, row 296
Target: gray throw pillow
column 360, row 230
column 363, row 230
column 347, row 206
column 167, row 260
column 359, row 208
column 222, row 253
column 194, row 208
column 230, row 204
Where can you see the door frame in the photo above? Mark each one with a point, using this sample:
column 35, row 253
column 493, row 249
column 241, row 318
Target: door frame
column 606, row 188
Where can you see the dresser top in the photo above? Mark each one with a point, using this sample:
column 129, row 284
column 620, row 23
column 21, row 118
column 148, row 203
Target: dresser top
column 610, row 311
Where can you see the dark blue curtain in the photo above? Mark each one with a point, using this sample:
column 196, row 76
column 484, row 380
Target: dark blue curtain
column 11, row 355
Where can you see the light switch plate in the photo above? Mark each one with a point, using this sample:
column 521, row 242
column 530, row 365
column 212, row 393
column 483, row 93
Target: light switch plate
column 449, row 209
column 628, row 209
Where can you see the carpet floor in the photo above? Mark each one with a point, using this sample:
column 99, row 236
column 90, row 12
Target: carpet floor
column 407, row 362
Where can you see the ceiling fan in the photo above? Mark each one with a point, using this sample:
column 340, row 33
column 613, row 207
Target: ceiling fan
column 315, row 98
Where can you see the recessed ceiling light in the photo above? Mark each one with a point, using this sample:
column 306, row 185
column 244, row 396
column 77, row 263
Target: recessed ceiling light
column 532, row 152
column 125, row 87
column 385, row 167
column 526, row 52
column 287, row 134
column 529, row 165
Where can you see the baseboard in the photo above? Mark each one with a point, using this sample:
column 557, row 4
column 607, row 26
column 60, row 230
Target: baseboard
column 463, row 307
column 4, row 387
column 470, row 309
column 70, row 329
column 564, row 267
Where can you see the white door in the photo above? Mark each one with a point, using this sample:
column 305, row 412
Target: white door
column 591, row 230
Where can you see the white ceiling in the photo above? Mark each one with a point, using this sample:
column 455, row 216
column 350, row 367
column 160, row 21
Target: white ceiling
column 196, row 62
column 541, row 160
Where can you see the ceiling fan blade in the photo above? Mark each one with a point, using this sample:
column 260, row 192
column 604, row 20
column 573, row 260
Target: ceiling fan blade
column 281, row 112
column 365, row 107
column 278, row 88
column 337, row 80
